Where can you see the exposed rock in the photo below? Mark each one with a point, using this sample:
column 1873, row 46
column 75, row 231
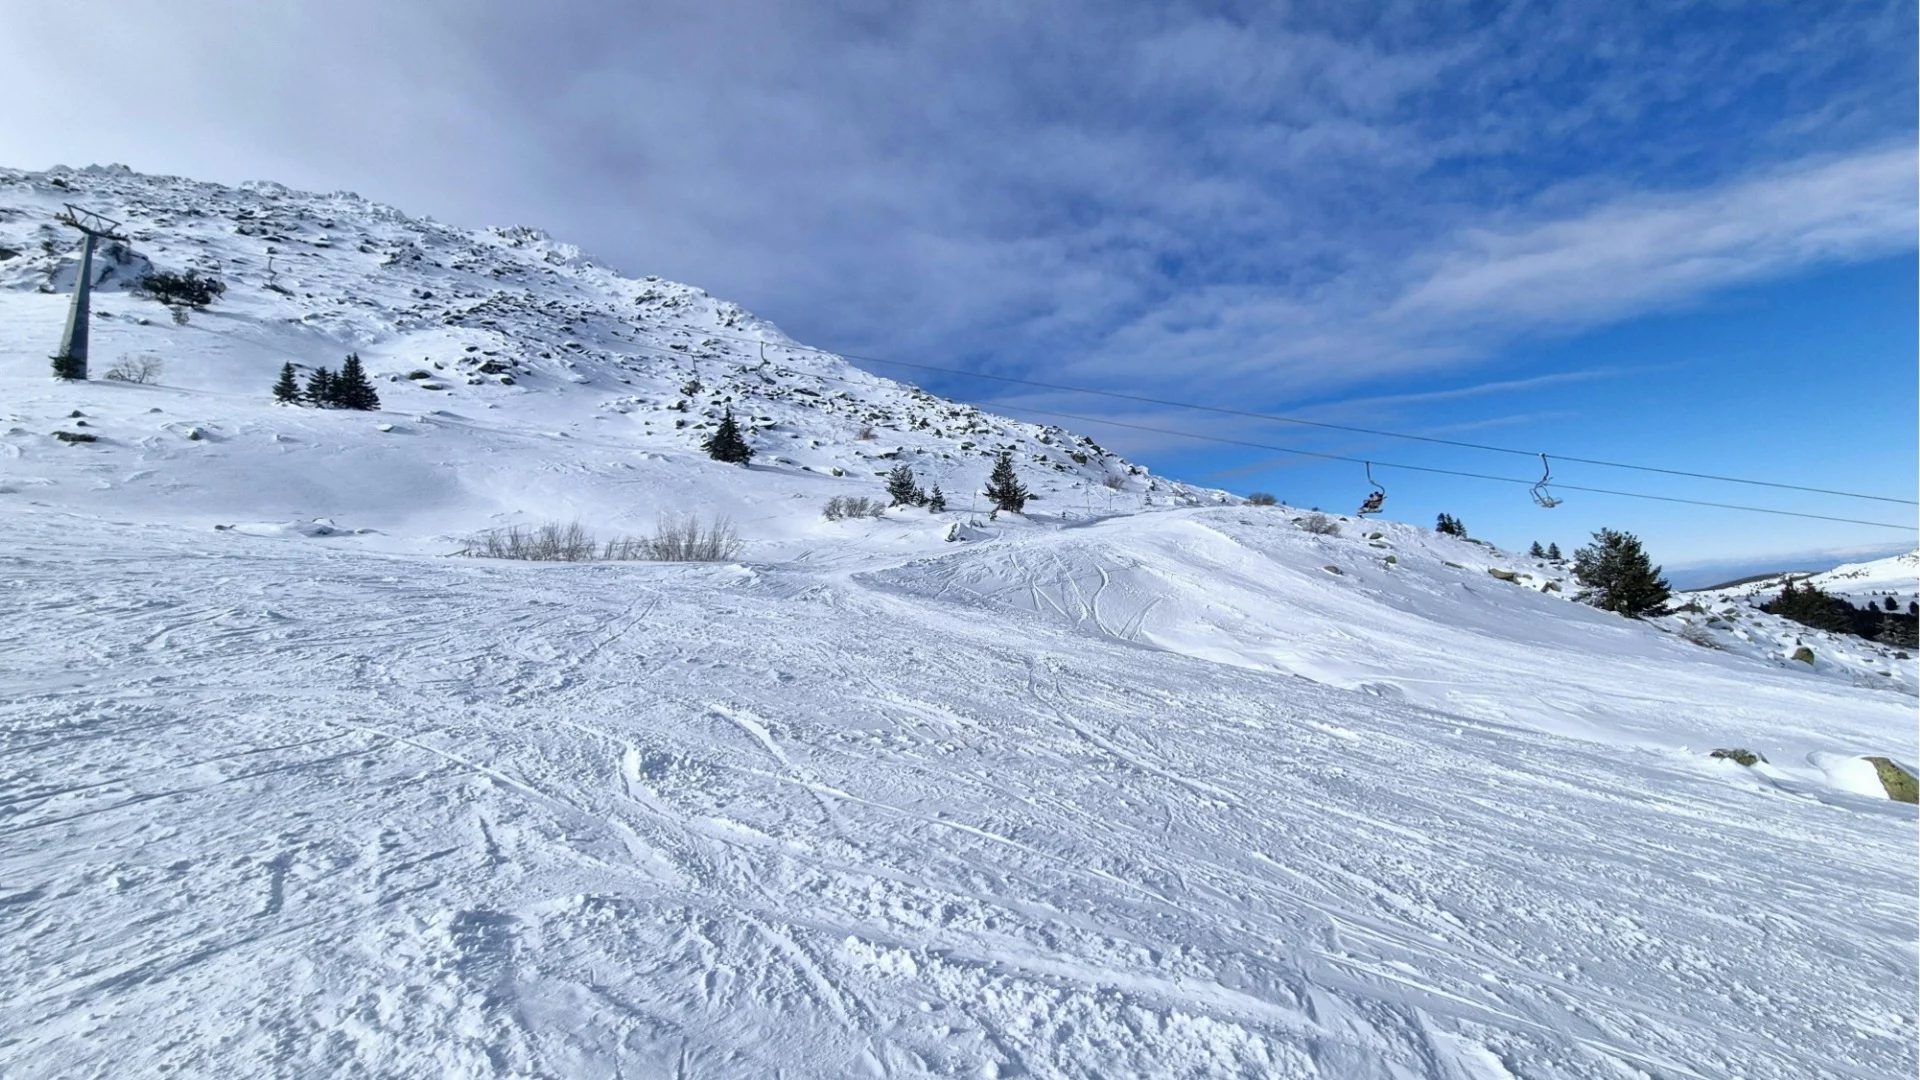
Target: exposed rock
column 1803, row 654
column 1900, row 784
column 1744, row 757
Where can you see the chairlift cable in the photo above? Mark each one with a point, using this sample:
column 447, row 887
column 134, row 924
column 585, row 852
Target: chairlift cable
column 1221, row 410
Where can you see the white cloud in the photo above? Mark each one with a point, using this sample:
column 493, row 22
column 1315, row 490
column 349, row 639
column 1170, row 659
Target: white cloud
column 1641, row 253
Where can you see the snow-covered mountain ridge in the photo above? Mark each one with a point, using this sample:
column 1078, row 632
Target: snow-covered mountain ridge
column 1092, row 792
column 519, row 380
column 1896, row 576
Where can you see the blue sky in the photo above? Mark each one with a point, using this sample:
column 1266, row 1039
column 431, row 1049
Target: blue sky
column 1676, row 233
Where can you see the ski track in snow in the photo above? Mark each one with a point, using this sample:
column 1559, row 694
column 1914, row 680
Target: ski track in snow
column 275, row 810
column 1124, row 787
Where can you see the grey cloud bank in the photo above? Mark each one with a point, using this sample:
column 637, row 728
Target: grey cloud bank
column 1232, row 196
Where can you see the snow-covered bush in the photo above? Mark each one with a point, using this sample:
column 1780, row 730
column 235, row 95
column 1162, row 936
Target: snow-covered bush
column 144, row 368
column 687, row 540
column 1698, row 634
column 1320, row 525
column 543, row 543
column 1261, row 498
column 852, row 506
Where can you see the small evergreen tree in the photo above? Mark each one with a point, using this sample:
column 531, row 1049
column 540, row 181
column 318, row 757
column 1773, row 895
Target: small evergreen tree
column 1536, row 551
column 1892, row 605
column 287, row 390
column 936, row 500
column 1616, row 575
column 726, row 443
column 1004, row 486
column 352, row 389
column 1553, row 551
column 903, row 489
column 320, row 392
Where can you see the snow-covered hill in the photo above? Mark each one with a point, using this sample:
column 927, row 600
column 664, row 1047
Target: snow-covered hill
column 519, row 382
column 1896, row 576
column 1143, row 783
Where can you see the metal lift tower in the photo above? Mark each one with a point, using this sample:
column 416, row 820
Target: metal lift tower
column 71, row 361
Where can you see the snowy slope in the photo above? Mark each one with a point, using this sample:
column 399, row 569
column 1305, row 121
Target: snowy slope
column 1897, row 576
column 550, row 388
column 1094, row 792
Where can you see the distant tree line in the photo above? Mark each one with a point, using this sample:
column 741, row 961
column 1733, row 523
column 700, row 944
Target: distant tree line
column 1809, row 605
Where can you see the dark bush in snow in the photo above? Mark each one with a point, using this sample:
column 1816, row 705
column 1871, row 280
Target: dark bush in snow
column 183, row 290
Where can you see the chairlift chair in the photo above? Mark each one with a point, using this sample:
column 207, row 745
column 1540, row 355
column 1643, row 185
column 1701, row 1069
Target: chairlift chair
column 1540, row 494
column 1377, row 498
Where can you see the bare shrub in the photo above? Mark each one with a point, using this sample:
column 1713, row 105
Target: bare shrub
column 685, row 539
column 852, row 506
column 1261, row 498
column 1114, row 483
column 1320, row 525
column 867, row 432
column 543, row 543
column 1698, row 634
column 144, row 368
column 678, row 540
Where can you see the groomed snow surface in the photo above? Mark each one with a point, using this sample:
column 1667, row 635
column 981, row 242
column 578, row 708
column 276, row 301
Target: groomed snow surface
column 1142, row 784
column 289, row 807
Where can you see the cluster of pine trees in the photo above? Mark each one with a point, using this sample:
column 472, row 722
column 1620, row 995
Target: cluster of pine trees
column 1809, row 605
column 349, row 389
column 1448, row 525
column 905, row 491
column 1551, row 551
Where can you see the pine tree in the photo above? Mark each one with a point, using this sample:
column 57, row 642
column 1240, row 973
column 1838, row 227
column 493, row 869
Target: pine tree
column 287, row 390
column 1536, row 551
column 320, row 392
column 69, row 368
column 1004, row 486
column 352, row 390
column 936, row 500
column 902, row 488
column 726, row 444
column 1553, row 551
column 1448, row 525
column 1616, row 575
